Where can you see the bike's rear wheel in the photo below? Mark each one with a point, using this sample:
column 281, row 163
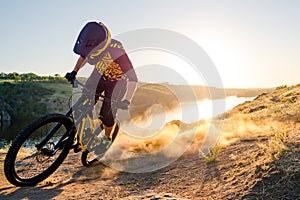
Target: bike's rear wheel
column 88, row 159
column 24, row 164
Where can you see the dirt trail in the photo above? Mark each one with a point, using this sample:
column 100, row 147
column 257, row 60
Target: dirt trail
column 258, row 159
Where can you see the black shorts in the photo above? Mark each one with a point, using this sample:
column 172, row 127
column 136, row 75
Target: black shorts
column 114, row 90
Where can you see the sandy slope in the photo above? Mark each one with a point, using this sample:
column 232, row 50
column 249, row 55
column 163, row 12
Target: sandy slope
column 258, row 159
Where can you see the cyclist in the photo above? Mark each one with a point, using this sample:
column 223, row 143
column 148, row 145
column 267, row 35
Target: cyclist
column 113, row 72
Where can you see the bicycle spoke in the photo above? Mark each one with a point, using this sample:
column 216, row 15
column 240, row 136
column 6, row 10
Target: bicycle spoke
column 31, row 162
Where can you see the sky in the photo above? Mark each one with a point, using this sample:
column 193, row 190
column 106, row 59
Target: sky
column 252, row 43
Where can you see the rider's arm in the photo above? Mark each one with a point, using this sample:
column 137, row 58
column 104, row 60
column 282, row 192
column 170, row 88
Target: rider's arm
column 79, row 64
column 131, row 87
column 124, row 62
column 128, row 69
column 131, row 84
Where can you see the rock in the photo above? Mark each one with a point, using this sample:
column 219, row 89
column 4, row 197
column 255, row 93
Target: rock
column 257, row 108
column 275, row 99
column 292, row 99
column 5, row 118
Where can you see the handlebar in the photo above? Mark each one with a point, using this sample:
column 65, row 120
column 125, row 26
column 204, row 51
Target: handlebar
column 75, row 83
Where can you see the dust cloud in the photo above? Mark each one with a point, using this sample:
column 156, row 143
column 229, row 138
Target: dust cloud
column 153, row 139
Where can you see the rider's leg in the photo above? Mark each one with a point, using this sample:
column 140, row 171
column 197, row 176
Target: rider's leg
column 113, row 90
column 107, row 130
column 108, row 118
column 107, row 113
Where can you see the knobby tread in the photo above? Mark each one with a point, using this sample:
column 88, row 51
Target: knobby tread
column 10, row 158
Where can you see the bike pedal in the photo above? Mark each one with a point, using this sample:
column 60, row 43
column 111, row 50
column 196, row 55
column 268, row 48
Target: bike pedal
column 77, row 148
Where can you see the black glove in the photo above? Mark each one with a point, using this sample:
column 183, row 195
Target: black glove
column 123, row 104
column 71, row 76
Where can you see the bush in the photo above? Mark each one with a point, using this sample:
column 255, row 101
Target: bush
column 24, row 99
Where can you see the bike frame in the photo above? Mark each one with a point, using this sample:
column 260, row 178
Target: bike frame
column 85, row 105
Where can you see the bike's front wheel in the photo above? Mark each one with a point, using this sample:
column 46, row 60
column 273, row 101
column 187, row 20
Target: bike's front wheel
column 27, row 162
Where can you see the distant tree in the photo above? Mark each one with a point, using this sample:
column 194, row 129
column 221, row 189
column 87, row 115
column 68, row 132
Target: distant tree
column 45, row 78
column 17, row 78
column 12, row 75
column 51, row 78
column 58, row 77
column 3, row 75
column 29, row 77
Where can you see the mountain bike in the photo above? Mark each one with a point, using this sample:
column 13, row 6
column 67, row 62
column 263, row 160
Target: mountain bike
column 40, row 148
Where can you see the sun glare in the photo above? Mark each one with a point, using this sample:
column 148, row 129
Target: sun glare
column 156, row 65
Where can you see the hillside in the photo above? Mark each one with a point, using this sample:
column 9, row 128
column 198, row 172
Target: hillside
column 256, row 157
column 32, row 99
column 22, row 102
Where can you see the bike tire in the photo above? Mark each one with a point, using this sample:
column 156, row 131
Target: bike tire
column 88, row 162
column 24, row 143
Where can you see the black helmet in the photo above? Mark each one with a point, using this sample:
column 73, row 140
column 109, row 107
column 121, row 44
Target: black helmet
column 91, row 35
